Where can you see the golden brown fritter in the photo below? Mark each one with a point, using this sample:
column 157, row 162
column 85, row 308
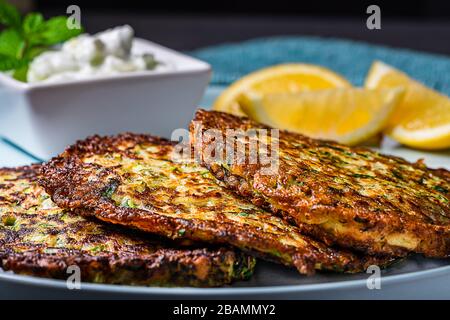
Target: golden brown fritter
column 350, row 196
column 138, row 181
column 38, row 238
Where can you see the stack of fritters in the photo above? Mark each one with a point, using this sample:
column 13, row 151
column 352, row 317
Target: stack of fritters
column 139, row 181
column 39, row 238
column 326, row 207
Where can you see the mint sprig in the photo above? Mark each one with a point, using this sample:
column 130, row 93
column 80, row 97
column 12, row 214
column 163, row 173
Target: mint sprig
column 8, row 63
column 9, row 15
column 26, row 37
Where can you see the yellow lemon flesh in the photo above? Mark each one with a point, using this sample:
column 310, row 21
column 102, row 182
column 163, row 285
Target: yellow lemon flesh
column 285, row 78
column 422, row 119
column 349, row 116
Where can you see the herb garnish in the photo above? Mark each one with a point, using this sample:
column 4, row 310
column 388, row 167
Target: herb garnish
column 397, row 174
column 98, row 248
column 128, row 203
column 109, row 191
column 26, row 37
column 332, row 147
column 9, row 220
column 440, row 189
column 359, row 175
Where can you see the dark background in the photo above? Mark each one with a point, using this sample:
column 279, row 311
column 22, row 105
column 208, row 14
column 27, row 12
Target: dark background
column 186, row 25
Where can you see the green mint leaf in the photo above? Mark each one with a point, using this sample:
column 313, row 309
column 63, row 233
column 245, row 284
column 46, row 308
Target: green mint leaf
column 9, row 15
column 20, row 74
column 11, row 43
column 32, row 23
column 33, row 52
column 26, row 38
column 8, row 63
column 55, row 31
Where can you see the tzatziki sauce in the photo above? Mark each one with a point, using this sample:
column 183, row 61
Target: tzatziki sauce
column 105, row 53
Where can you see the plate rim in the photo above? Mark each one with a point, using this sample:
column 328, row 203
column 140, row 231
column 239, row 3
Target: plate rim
column 222, row 291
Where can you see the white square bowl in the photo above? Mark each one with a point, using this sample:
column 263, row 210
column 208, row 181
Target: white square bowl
column 44, row 118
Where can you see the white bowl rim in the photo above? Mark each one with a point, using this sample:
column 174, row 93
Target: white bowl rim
column 198, row 66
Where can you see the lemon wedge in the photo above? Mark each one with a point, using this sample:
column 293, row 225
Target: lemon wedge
column 422, row 119
column 285, row 78
column 349, row 116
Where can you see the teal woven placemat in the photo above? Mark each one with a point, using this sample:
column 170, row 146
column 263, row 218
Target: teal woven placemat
column 349, row 58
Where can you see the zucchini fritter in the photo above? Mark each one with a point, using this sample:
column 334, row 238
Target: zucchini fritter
column 38, row 238
column 350, row 196
column 138, row 181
